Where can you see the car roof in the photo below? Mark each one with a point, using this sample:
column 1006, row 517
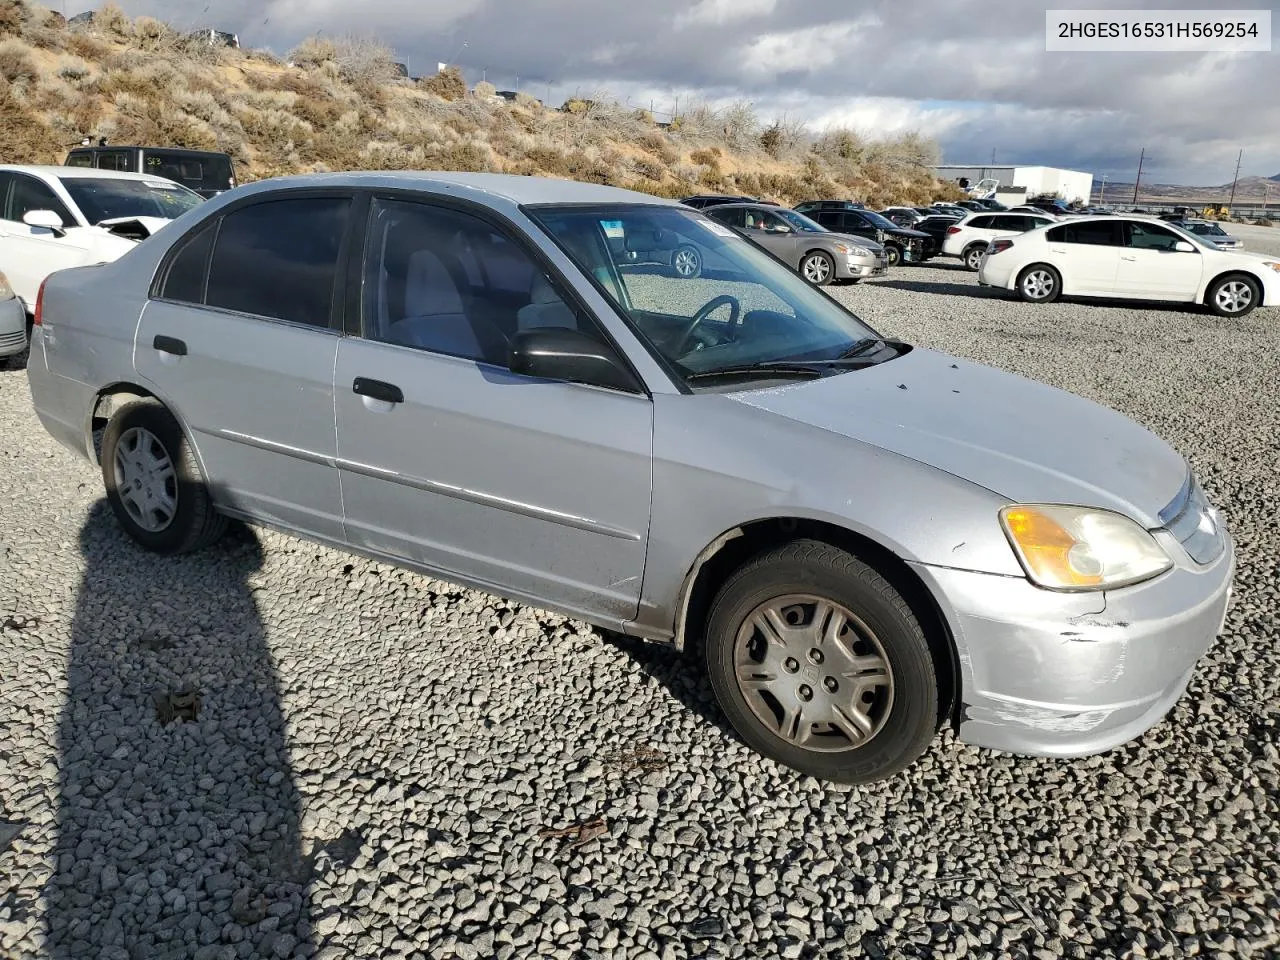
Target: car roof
column 143, row 146
column 76, row 173
column 512, row 188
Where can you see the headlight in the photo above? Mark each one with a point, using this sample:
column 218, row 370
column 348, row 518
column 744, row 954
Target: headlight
column 849, row 250
column 1080, row 548
column 1273, row 265
column 6, row 291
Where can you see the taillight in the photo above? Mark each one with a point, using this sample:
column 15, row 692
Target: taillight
column 951, row 230
column 998, row 246
column 38, row 318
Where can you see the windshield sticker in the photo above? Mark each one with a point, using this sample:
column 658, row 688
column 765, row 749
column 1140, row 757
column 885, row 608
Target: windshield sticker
column 612, row 228
column 719, row 229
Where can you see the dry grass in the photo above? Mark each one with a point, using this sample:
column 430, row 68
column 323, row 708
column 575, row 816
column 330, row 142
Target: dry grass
column 338, row 104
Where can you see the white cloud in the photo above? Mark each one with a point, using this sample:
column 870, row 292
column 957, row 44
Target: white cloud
column 718, row 12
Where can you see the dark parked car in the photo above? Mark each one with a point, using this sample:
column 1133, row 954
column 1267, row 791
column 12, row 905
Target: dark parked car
column 1051, row 205
column 901, row 244
column 206, row 172
column 809, row 206
column 935, row 225
column 715, row 199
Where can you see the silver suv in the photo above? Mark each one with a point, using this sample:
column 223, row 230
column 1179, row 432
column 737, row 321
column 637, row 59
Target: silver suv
column 467, row 375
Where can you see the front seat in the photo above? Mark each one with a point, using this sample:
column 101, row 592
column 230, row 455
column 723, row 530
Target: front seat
column 434, row 315
column 545, row 308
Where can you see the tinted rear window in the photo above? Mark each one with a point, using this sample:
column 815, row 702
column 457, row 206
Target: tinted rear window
column 206, row 171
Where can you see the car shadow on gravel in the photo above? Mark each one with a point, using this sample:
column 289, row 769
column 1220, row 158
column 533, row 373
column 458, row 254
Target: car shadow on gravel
column 954, row 289
column 178, row 819
column 678, row 672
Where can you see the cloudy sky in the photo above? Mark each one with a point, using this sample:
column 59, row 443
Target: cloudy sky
column 972, row 73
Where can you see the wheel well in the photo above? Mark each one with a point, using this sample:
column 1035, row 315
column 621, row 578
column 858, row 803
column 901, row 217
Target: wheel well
column 975, row 243
column 109, row 400
column 1243, row 274
column 739, row 546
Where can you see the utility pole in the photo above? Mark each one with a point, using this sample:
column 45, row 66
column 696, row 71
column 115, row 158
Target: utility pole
column 1235, row 180
column 1103, row 192
column 1137, row 180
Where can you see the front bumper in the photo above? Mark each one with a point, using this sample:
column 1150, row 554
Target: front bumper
column 13, row 327
column 857, row 267
column 1064, row 675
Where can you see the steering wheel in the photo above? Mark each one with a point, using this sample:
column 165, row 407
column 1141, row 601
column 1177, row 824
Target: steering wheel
column 708, row 308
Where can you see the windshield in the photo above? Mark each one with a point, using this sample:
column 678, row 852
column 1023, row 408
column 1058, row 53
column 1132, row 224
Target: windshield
column 110, row 199
column 800, row 223
column 1208, row 229
column 878, row 221
column 198, row 171
column 702, row 296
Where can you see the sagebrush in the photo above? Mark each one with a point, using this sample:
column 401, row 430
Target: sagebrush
column 341, row 104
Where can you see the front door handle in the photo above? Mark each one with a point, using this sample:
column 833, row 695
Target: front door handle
column 377, row 390
column 1128, row 258
column 170, row 345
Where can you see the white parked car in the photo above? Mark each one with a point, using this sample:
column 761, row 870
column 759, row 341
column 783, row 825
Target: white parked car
column 52, row 218
column 1132, row 258
column 968, row 239
column 13, row 322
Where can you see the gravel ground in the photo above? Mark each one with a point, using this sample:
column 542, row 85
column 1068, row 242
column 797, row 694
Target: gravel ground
column 377, row 755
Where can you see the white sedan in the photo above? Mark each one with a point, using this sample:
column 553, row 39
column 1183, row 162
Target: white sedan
column 1130, row 258
column 52, row 218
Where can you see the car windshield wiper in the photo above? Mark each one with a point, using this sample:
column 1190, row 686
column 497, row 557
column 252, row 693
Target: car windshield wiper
column 788, row 368
column 862, row 348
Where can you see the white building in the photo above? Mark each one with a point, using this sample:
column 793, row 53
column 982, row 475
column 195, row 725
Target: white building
column 1070, row 185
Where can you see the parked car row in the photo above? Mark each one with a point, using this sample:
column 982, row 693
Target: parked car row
column 471, row 375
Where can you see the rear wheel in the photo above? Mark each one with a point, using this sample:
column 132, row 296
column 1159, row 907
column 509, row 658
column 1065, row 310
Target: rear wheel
column 817, row 268
column 1233, row 296
column 973, row 255
column 820, row 664
column 1039, row 283
column 153, row 482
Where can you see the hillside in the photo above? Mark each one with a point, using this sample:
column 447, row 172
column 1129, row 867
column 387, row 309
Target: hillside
column 1249, row 190
column 341, row 105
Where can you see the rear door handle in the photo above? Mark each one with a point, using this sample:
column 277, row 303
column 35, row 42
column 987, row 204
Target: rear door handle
column 377, row 390
column 170, row 345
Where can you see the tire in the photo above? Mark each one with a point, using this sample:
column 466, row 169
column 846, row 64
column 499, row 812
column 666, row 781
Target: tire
column 818, row 268
column 686, row 262
column 1039, row 283
column 899, row 703
column 893, row 254
column 178, row 516
column 973, row 255
column 1233, row 296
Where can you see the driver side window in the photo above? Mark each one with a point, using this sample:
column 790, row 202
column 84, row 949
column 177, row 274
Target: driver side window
column 1147, row 236
column 30, row 194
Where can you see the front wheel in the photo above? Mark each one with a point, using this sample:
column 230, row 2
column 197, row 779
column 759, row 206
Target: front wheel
column 1233, row 296
column 818, row 268
column 153, row 482
column 892, row 254
column 686, row 262
column 821, row 665
column 1039, row 283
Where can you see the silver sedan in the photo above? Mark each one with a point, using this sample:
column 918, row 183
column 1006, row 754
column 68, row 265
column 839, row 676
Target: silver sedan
column 472, row 376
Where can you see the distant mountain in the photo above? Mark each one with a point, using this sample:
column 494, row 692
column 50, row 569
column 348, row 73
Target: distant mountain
column 1253, row 190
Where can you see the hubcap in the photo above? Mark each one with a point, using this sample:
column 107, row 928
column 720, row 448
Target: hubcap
column 1234, row 296
column 816, row 269
column 1038, row 284
column 145, row 479
column 813, row 673
column 686, row 263
column 975, row 258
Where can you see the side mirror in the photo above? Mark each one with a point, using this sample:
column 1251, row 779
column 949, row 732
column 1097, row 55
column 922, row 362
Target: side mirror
column 559, row 353
column 1182, row 246
column 46, row 219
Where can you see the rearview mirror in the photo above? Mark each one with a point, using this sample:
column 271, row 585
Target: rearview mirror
column 1182, row 246
column 44, row 218
column 559, row 353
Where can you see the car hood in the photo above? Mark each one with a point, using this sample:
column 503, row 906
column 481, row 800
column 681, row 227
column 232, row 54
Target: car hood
column 1023, row 440
column 149, row 225
column 906, row 233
